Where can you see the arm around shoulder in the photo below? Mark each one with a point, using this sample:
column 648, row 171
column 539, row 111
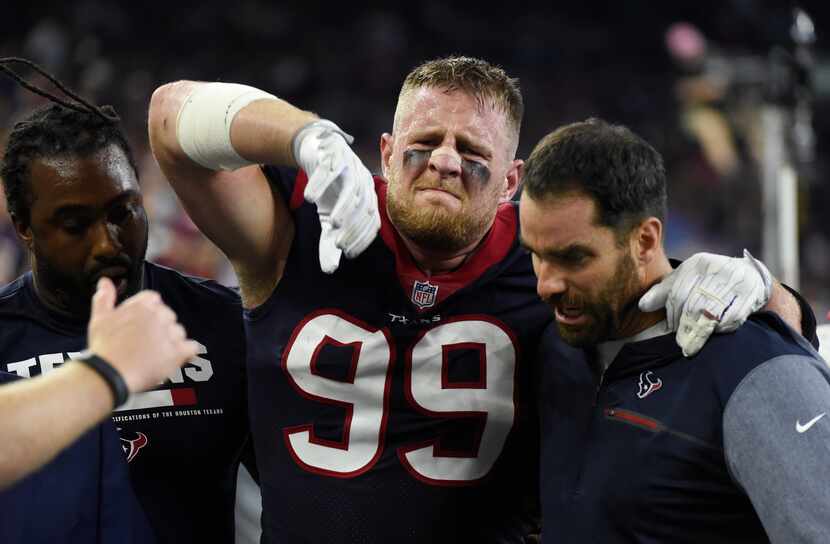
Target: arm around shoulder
column 784, row 303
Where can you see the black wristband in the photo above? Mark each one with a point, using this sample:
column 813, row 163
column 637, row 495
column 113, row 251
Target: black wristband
column 109, row 374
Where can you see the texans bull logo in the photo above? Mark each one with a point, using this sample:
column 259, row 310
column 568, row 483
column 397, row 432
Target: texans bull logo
column 649, row 383
column 131, row 446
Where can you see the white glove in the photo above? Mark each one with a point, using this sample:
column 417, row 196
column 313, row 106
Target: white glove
column 709, row 293
column 341, row 187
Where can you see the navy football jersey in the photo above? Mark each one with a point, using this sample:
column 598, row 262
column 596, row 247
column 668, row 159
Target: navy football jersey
column 183, row 439
column 389, row 406
column 82, row 495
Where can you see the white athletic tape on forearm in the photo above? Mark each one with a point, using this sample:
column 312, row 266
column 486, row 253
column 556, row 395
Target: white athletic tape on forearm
column 203, row 126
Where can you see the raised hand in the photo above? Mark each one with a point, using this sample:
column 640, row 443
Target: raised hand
column 140, row 337
column 341, row 187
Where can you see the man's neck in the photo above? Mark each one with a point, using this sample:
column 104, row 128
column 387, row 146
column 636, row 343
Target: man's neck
column 57, row 303
column 635, row 321
column 432, row 262
column 632, row 320
column 62, row 305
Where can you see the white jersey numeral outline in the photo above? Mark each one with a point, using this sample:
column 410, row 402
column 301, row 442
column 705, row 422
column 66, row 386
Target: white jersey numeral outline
column 488, row 403
column 364, row 394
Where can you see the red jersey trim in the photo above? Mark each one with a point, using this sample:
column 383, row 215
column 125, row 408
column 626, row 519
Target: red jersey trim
column 297, row 196
column 495, row 247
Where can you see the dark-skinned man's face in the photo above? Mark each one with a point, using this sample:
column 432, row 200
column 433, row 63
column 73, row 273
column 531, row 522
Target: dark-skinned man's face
column 86, row 221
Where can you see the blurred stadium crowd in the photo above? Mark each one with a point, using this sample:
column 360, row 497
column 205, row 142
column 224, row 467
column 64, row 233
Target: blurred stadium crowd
column 616, row 60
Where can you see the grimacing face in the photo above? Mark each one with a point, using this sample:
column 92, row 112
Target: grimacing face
column 87, row 221
column 590, row 281
column 449, row 163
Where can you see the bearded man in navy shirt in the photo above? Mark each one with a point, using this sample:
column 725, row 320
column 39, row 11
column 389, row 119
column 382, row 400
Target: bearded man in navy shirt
column 644, row 444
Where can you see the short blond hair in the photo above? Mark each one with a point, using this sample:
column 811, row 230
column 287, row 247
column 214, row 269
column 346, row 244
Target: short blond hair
column 489, row 84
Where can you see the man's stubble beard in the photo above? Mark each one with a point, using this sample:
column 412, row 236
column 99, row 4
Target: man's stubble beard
column 434, row 227
column 609, row 309
column 73, row 294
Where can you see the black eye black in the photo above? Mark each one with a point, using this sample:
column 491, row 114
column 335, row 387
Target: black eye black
column 416, row 157
column 471, row 151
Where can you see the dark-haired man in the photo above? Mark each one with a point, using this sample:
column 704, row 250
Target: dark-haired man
column 391, row 395
column 727, row 446
column 74, row 197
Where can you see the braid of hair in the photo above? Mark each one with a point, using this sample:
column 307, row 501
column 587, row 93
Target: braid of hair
column 75, row 128
column 113, row 118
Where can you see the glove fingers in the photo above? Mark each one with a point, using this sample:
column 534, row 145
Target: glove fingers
column 330, row 260
column 684, row 299
column 329, row 252
column 348, row 201
column 692, row 334
column 318, row 182
column 702, row 303
column 355, row 241
column 322, row 179
column 712, row 293
column 655, row 298
column 343, row 190
column 725, row 284
column 354, row 194
column 731, row 295
column 734, row 315
column 349, row 237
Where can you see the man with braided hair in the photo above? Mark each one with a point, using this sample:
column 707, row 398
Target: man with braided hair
column 73, row 194
column 391, row 393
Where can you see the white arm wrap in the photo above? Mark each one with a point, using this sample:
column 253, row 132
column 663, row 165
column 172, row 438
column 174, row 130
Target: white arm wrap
column 203, row 126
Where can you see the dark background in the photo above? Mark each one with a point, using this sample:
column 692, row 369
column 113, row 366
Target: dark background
column 346, row 62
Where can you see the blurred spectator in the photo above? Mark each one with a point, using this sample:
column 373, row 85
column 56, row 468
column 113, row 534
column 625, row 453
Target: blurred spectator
column 604, row 59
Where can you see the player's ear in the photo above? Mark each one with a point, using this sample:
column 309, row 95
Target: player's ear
column 647, row 240
column 513, row 179
column 23, row 229
column 386, row 144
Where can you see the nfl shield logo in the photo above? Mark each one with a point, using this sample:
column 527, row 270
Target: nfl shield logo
column 423, row 294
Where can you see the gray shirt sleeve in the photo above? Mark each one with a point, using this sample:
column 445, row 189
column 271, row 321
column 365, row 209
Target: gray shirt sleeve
column 776, row 434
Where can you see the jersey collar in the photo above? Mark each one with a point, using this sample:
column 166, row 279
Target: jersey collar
column 426, row 292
